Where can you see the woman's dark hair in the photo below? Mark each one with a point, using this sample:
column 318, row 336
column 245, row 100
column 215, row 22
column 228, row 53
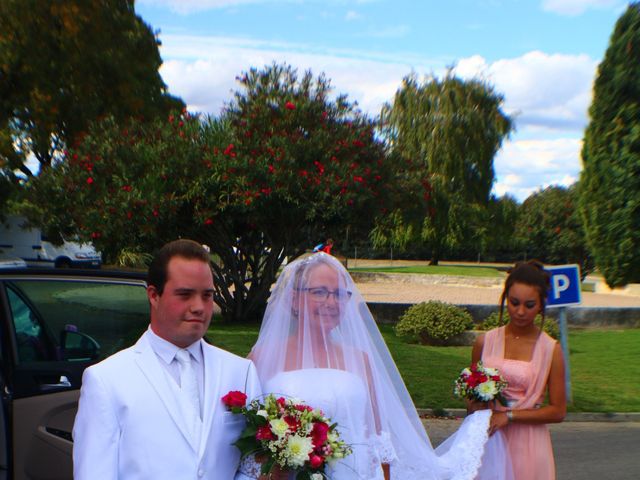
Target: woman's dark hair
column 530, row 273
column 188, row 249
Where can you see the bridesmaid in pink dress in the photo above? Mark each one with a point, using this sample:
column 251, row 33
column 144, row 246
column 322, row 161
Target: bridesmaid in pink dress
column 532, row 363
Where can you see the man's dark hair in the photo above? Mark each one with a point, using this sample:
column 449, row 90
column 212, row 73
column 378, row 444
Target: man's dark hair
column 157, row 274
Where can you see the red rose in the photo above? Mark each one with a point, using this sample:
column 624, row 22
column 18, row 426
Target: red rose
column 234, row 399
column 319, row 433
column 89, row 181
column 316, row 461
column 265, row 433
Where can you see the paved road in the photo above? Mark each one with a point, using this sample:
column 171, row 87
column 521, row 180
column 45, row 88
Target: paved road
column 583, row 450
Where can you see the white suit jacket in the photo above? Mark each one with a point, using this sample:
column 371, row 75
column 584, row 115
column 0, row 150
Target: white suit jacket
column 128, row 424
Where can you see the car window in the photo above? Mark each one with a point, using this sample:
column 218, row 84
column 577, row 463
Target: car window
column 31, row 341
column 49, row 315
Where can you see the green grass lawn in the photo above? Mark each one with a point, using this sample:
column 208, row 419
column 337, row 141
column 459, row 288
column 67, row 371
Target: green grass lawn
column 460, row 270
column 605, row 366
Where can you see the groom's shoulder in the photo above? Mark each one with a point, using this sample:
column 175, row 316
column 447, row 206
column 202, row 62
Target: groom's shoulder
column 114, row 362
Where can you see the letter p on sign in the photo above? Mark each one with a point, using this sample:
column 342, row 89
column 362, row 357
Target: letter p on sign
column 565, row 285
column 560, row 284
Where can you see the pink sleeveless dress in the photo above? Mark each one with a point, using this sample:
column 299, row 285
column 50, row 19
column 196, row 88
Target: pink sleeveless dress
column 529, row 445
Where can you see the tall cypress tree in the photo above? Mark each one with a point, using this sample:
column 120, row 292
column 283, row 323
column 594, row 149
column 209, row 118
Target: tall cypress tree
column 610, row 180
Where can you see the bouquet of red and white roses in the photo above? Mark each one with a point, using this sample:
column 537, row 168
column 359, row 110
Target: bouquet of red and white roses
column 480, row 383
column 288, row 434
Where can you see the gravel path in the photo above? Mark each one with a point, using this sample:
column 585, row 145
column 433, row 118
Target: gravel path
column 389, row 292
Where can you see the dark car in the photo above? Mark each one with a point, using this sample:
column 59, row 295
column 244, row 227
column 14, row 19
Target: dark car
column 54, row 324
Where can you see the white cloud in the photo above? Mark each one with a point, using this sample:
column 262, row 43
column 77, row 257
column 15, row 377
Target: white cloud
column 352, row 15
column 524, row 166
column 551, row 91
column 577, row 7
column 202, row 70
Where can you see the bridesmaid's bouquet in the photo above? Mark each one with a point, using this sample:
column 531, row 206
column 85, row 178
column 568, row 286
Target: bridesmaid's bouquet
column 480, row 383
column 288, row 434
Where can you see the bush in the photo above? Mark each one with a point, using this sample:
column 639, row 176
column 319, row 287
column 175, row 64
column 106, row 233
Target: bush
column 493, row 321
column 433, row 322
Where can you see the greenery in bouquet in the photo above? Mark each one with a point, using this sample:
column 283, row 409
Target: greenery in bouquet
column 480, row 383
column 288, row 434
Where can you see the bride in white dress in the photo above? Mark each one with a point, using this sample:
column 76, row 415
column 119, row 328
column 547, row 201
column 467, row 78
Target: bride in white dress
column 319, row 343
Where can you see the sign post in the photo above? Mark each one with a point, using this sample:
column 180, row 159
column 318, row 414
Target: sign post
column 564, row 291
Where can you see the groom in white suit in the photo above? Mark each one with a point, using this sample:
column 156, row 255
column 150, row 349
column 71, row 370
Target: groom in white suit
column 140, row 414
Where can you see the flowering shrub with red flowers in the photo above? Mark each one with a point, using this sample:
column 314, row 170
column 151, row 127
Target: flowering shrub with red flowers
column 480, row 383
column 288, row 434
column 284, row 163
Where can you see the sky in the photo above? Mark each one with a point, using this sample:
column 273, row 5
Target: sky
column 541, row 55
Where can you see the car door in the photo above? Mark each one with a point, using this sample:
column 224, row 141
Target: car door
column 54, row 326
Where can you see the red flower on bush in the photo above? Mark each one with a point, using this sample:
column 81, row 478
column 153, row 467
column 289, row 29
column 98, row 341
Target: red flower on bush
column 289, row 106
column 89, row 181
column 229, row 150
column 208, row 221
column 235, row 398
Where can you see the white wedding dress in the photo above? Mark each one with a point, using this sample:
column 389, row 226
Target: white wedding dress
column 340, row 395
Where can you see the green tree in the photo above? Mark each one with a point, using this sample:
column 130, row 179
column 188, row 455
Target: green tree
column 298, row 164
column 257, row 185
column 447, row 133
column 549, row 228
column 65, row 64
column 610, row 180
column 490, row 230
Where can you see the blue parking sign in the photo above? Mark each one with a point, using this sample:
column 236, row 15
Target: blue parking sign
column 565, row 285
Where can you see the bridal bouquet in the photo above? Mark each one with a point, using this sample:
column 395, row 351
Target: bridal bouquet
column 480, row 383
column 288, row 434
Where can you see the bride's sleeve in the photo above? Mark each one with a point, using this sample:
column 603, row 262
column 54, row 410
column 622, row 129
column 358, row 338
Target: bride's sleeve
column 381, row 438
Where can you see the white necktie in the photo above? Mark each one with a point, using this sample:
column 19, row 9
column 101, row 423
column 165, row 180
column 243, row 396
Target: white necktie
column 189, row 389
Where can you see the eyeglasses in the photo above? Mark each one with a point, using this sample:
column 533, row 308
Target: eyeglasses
column 321, row 294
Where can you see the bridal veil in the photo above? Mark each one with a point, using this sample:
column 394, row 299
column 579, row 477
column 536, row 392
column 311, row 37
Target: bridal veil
column 318, row 332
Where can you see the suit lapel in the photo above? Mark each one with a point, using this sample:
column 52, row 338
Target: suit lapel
column 148, row 362
column 211, row 394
